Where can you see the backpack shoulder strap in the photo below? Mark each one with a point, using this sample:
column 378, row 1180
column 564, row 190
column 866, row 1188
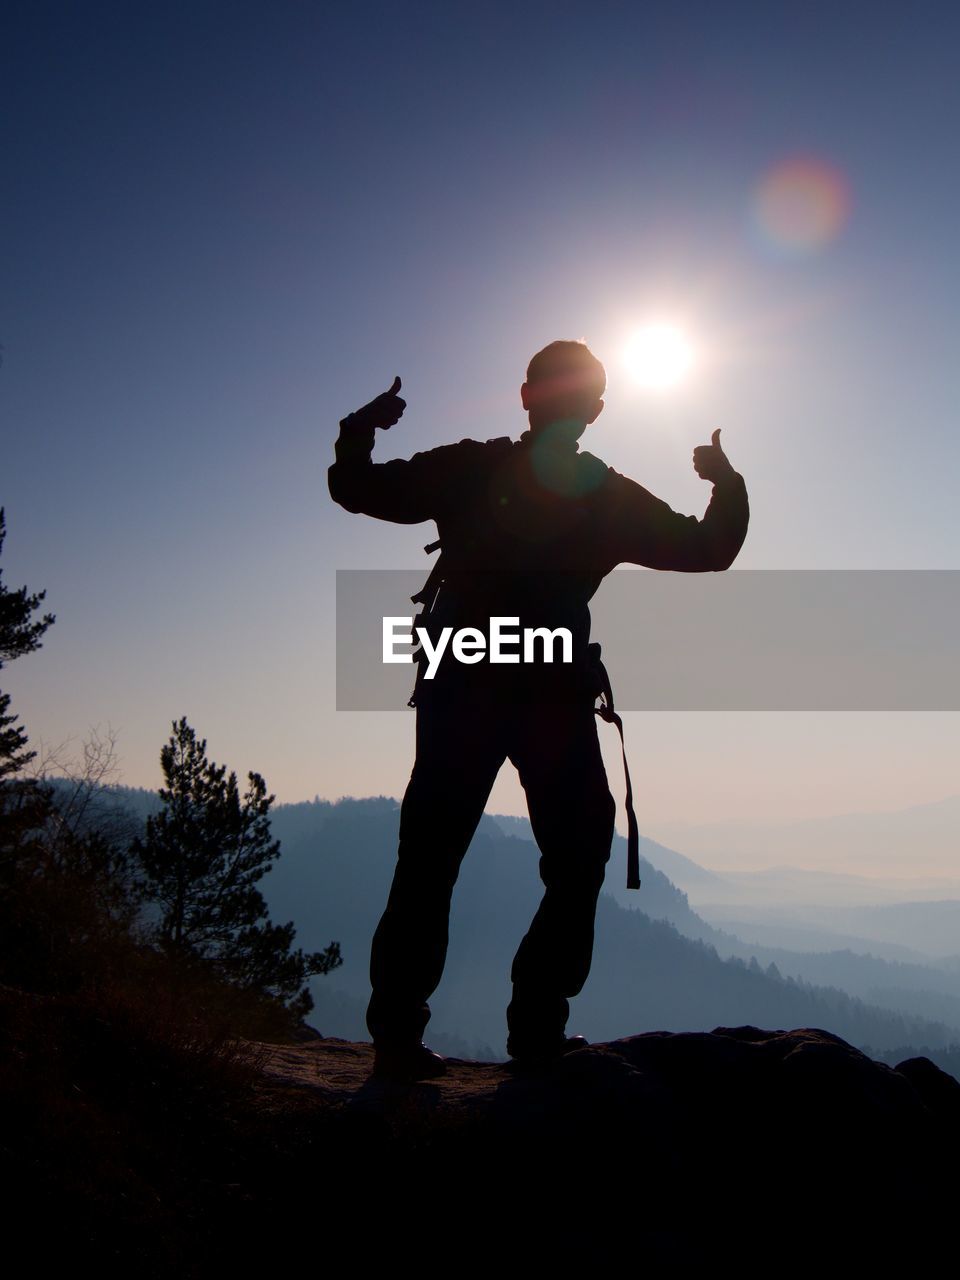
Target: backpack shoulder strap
column 607, row 711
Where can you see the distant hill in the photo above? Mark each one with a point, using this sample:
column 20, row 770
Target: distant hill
column 919, row 840
column 890, row 975
column 926, row 932
column 682, row 871
column 657, row 965
column 333, row 880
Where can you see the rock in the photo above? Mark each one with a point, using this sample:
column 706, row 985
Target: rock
column 303, row 1033
column 672, row 1146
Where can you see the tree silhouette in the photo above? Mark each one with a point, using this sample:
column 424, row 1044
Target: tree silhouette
column 201, row 858
column 24, row 805
column 20, row 633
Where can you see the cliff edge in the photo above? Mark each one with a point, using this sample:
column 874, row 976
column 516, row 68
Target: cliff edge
column 663, row 1145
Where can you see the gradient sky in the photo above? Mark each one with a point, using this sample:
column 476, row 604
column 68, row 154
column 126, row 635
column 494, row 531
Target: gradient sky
column 226, row 225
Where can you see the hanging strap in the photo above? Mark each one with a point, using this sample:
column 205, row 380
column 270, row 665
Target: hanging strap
column 426, row 597
column 606, row 711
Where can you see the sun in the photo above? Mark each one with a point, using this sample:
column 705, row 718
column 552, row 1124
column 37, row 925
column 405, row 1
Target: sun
column 659, row 357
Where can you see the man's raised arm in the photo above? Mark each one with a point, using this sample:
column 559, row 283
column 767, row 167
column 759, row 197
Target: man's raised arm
column 402, row 490
column 643, row 529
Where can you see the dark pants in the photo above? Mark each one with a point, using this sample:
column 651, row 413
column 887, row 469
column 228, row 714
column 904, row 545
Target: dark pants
column 461, row 744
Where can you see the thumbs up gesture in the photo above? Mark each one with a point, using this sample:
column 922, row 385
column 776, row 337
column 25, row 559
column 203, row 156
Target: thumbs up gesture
column 709, row 460
column 383, row 411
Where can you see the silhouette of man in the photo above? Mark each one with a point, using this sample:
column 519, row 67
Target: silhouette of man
column 528, row 530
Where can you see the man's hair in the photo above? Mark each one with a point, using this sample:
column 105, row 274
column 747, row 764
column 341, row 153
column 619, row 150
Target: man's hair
column 567, row 368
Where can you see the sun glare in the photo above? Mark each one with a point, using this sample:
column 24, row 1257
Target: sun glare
column 659, row 357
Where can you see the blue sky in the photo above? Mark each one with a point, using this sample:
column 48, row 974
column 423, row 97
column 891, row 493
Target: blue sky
column 226, row 225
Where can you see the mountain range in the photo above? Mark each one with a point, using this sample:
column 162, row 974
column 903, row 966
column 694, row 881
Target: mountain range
column 659, row 964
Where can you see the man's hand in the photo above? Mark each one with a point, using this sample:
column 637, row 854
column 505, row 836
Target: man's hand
column 383, row 411
column 709, row 460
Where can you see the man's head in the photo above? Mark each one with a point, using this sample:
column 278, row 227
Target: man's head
column 563, row 388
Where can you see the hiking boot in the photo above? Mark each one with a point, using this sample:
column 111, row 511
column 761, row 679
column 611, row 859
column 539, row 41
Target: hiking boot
column 406, row 1062
column 536, row 1053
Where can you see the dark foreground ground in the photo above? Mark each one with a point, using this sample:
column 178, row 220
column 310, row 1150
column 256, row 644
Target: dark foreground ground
column 763, row 1148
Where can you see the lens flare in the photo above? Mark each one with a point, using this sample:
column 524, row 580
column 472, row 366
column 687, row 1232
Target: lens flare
column 801, row 204
column 658, row 357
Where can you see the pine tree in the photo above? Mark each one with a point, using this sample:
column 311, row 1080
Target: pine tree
column 23, row 804
column 20, row 633
column 201, row 858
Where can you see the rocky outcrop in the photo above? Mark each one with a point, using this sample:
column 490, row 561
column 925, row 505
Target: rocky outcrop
column 129, row 1149
column 673, row 1146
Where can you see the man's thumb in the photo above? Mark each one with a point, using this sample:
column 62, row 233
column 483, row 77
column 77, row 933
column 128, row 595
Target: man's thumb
column 395, row 388
column 715, row 439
